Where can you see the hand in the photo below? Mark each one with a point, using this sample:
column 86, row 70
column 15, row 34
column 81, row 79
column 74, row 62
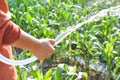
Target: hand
column 44, row 48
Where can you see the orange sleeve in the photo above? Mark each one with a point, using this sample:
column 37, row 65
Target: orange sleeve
column 4, row 12
column 12, row 33
column 4, row 6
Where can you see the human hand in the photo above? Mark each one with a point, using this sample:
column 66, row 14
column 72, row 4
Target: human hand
column 44, row 48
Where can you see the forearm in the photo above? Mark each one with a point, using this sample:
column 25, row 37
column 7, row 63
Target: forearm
column 25, row 41
column 42, row 48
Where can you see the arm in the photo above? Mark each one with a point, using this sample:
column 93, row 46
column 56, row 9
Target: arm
column 42, row 48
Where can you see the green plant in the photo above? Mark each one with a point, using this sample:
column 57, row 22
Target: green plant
column 98, row 41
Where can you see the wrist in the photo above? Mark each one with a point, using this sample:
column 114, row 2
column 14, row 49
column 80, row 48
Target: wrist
column 36, row 45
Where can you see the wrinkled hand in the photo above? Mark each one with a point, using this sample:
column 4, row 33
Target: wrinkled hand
column 44, row 48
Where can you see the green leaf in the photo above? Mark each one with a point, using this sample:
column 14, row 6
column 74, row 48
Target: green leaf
column 48, row 75
column 81, row 75
column 58, row 74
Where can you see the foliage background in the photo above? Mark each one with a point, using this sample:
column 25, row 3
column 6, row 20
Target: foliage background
column 97, row 54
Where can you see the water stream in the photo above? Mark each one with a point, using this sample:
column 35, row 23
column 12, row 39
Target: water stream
column 113, row 11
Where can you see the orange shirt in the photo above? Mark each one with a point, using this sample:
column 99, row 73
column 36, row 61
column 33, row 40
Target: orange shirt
column 4, row 12
column 9, row 32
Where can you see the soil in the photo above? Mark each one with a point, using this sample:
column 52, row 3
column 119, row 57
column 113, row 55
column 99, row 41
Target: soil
column 93, row 74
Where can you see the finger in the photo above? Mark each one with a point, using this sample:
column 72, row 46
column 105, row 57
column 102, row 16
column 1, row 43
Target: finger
column 52, row 48
column 52, row 41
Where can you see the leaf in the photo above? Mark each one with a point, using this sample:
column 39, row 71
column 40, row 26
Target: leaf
column 48, row 75
column 39, row 74
column 58, row 74
column 81, row 75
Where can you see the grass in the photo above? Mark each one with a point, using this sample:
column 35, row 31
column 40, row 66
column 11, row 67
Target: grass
column 98, row 41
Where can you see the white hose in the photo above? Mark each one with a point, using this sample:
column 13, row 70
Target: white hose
column 102, row 13
column 18, row 62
